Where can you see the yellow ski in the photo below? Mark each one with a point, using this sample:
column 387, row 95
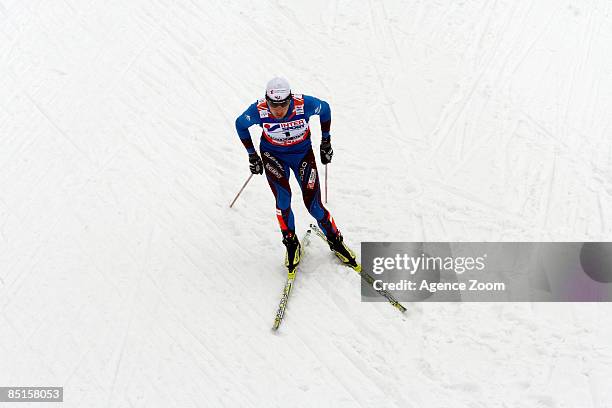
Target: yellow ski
column 353, row 264
column 280, row 313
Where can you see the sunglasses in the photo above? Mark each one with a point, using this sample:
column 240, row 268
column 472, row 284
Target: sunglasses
column 277, row 104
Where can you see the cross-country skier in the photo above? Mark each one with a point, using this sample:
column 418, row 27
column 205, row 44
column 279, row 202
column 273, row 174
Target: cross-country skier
column 285, row 145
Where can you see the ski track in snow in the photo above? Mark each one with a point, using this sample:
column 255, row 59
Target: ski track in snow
column 125, row 277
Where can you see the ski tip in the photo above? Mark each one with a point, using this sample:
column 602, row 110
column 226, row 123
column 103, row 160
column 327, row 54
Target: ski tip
column 399, row 306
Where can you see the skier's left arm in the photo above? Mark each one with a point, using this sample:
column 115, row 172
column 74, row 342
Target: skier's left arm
column 316, row 106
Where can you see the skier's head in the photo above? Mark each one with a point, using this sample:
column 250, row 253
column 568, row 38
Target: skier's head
column 278, row 96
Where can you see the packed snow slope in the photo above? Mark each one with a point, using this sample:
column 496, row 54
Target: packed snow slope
column 126, row 278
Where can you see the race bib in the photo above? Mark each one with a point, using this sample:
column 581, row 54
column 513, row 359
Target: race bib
column 286, row 133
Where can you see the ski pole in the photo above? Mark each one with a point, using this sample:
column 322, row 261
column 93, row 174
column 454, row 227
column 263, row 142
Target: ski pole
column 326, row 184
column 243, row 186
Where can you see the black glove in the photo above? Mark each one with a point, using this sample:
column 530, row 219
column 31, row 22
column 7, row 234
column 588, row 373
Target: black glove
column 326, row 151
column 255, row 165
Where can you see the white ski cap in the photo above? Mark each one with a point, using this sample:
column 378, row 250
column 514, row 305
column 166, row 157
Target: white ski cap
column 278, row 89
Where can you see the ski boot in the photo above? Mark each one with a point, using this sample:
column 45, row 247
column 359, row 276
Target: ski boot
column 293, row 254
column 342, row 251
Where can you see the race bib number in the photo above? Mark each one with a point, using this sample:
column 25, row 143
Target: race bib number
column 286, row 133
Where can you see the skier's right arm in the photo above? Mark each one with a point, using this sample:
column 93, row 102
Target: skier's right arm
column 249, row 118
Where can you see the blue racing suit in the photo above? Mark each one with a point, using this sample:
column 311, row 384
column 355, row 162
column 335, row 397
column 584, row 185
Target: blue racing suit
column 285, row 145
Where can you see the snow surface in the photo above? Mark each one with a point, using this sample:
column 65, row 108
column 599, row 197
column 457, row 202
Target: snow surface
column 126, row 279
